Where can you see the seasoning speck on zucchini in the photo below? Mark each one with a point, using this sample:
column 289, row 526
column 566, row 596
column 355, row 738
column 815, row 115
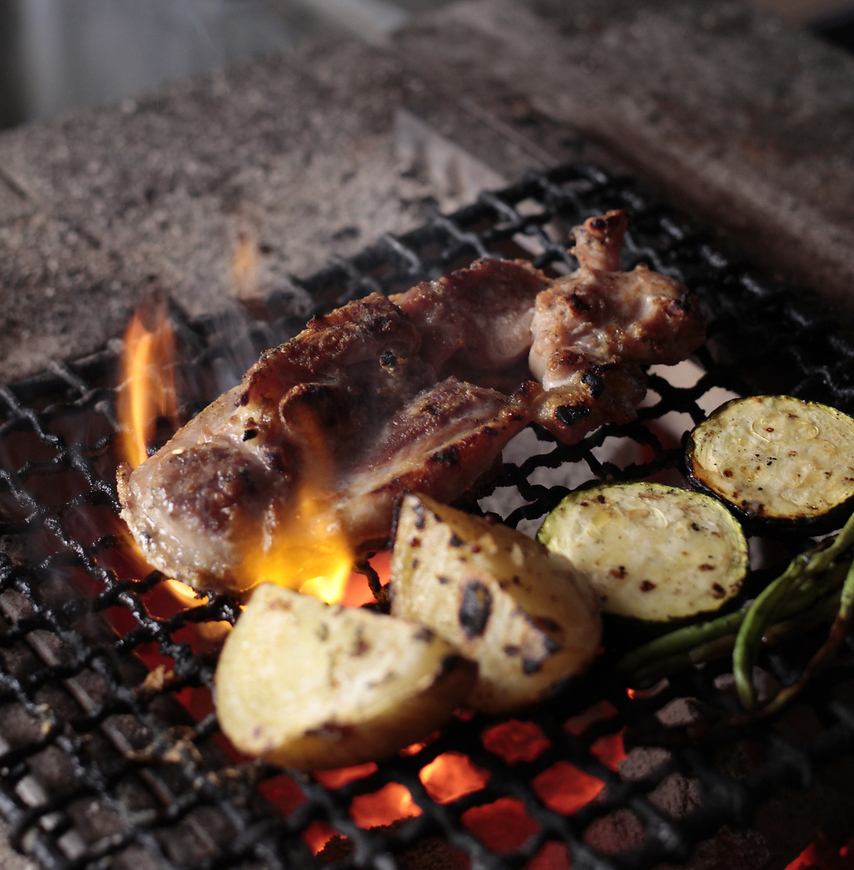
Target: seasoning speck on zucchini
column 776, row 458
column 651, row 552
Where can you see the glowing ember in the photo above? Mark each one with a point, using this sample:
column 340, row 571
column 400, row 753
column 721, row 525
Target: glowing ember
column 343, row 775
column 610, row 750
column 318, row 834
column 825, row 855
column 807, row 859
column 515, row 741
column 598, row 712
column 390, row 803
column 552, row 856
column 566, row 789
column 501, row 826
column 357, row 591
column 149, row 383
column 450, row 776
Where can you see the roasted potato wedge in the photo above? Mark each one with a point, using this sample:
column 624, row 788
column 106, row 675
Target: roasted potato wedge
column 499, row 597
column 311, row 686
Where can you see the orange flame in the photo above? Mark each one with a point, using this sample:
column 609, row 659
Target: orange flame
column 245, row 265
column 307, row 550
column 149, row 382
column 149, row 392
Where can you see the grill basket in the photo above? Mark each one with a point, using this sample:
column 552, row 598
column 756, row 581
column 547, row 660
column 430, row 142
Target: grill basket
column 110, row 754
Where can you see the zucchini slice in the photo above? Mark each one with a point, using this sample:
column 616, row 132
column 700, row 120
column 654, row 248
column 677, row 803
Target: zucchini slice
column 775, row 458
column 651, row 552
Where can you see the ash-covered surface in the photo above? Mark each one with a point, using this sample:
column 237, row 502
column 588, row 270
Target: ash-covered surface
column 282, row 163
column 742, row 119
column 113, row 755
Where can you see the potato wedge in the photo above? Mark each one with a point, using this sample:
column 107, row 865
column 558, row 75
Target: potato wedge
column 312, row 686
column 499, row 597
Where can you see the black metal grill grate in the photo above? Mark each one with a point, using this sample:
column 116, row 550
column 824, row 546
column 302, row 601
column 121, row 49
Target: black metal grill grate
column 110, row 754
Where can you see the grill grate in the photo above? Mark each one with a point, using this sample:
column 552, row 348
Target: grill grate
column 110, row 753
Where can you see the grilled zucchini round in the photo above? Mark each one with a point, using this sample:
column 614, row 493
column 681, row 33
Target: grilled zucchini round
column 775, row 458
column 652, row 552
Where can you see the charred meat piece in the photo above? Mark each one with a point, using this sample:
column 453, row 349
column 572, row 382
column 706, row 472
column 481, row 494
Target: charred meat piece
column 417, row 392
column 600, row 316
column 588, row 397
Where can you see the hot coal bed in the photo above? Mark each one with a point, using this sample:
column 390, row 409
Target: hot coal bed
column 111, row 754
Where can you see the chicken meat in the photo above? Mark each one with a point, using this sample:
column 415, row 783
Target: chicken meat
column 419, row 391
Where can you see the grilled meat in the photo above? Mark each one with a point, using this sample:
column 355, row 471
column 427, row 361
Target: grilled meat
column 417, row 392
column 476, row 319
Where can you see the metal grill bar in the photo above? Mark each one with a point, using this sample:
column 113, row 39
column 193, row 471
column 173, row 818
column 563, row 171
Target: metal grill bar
column 111, row 753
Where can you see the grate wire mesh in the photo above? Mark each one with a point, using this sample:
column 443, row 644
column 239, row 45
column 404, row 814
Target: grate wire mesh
column 110, row 754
